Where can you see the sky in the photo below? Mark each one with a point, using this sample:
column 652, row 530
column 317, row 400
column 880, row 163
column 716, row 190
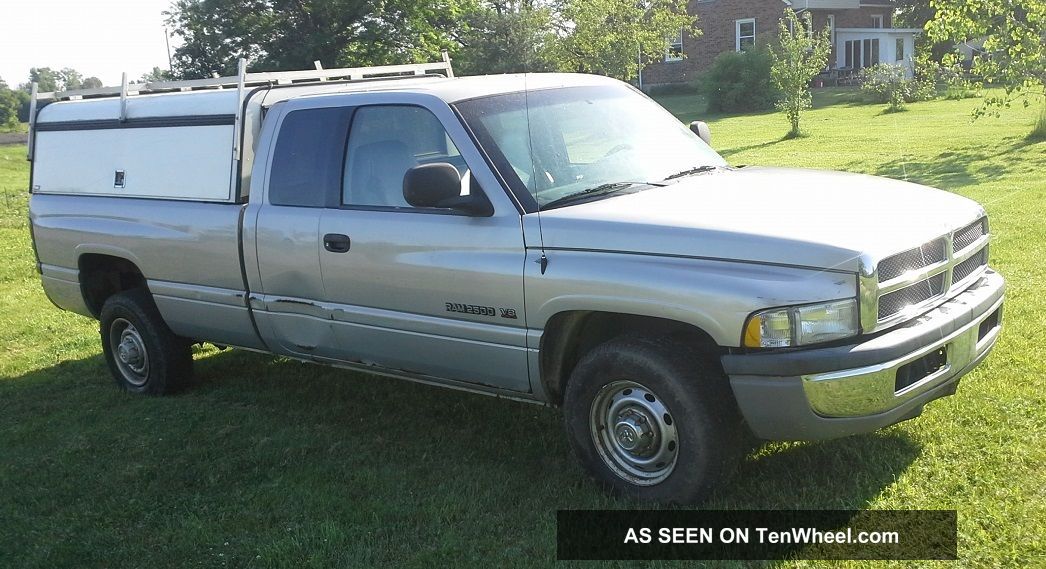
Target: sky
column 100, row 38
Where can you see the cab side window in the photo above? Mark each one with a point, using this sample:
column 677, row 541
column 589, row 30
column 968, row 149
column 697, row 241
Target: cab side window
column 307, row 160
column 384, row 142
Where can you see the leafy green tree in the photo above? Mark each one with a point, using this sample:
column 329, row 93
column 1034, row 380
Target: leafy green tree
column 913, row 13
column 69, row 79
column 799, row 56
column 155, row 74
column 23, row 107
column 92, row 83
column 291, row 34
column 64, row 79
column 610, row 37
column 1015, row 39
column 506, row 36
column 916, row 14
column 46, row 78
column 9, row 104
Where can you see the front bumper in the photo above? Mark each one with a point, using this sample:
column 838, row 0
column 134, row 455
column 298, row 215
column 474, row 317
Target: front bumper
column 834, row 392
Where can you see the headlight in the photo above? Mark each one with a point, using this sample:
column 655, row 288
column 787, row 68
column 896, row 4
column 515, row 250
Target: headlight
column 802, row 325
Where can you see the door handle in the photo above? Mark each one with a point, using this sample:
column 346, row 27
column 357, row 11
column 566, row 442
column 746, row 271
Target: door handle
column 336, row 243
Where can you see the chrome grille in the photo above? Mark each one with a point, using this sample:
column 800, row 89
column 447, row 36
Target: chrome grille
column 970, row 266
column 929, row 254
column 969, row 234
column 912, row 295
column 911, row 281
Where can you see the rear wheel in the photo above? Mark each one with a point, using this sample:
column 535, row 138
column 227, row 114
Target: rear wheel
column 143, row 354
column 653, row 419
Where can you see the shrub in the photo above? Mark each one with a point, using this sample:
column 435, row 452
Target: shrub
column 739, row 82
column 671, row 89
column 887, row 83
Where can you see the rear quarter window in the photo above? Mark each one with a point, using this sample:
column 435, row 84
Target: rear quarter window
column 308, row 159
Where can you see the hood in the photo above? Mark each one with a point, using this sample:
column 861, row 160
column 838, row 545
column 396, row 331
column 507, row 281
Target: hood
column 781, row 216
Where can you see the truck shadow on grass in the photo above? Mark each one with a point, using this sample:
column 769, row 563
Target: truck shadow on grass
column 269, row 415
column 277, row 462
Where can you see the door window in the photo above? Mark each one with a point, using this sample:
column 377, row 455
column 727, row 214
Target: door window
column 384, row 142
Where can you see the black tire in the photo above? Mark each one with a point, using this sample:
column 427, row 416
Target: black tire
column 131, row 327
column 674, row 378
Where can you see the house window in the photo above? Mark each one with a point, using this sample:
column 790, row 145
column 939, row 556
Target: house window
column 831, row 26
column 900, row 49
column 745, row 33
column 877, row 21
column 861, row 53
column 675, row 48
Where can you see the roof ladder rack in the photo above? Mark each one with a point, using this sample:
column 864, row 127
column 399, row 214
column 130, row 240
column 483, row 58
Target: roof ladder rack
column 242, row 80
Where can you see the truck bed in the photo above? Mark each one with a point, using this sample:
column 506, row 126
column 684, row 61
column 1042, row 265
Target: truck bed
column 167, row 237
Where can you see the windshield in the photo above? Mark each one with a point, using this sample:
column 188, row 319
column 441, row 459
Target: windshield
column 557, row 144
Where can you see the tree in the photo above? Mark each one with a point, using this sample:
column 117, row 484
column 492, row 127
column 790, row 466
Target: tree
column 70, row 79
column 46, row 79
column 9, row 104
column 155, row 74
column 799, row 56
column 506, row 36
column 484, row 36
column 91, row 83
column 11, row 101
column 291, row 34
column 64, row 79
column 610, row 37
column 916, row 14
column 1015, row 41
column 913, row 13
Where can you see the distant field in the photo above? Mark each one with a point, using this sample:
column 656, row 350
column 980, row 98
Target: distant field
column 13, row 138
column 274, row 463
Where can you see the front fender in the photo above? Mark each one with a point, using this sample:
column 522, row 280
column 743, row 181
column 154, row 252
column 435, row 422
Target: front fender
column 714, row 295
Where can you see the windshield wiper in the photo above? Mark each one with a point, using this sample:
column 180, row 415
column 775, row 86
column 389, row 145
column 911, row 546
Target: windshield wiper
column 691, row 172
column 600, row 190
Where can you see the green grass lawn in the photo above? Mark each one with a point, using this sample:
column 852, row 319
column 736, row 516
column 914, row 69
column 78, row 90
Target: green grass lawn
column 274, row 463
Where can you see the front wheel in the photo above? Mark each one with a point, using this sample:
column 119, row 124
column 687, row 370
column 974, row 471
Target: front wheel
column 143, row 354
column 652, row 419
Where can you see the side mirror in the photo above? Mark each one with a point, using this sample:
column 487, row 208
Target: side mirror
column 700, row 128
column 439, row 185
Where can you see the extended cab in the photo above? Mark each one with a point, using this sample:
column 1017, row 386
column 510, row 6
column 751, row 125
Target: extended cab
column 553, row 238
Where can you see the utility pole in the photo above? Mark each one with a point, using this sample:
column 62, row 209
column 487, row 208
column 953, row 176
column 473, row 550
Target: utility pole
column 167, row 38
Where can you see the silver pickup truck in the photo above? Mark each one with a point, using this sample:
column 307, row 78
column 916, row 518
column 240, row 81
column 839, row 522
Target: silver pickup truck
column 553, row 238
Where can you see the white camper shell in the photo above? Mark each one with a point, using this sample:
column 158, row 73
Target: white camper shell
column 176, row 140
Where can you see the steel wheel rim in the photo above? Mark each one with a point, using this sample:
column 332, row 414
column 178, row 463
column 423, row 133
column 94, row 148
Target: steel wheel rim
column 634, row 432
column 129, row 352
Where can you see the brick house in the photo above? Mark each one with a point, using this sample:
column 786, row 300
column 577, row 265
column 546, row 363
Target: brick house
column 862, row 34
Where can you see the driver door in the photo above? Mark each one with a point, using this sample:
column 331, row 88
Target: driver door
column 429, row 291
